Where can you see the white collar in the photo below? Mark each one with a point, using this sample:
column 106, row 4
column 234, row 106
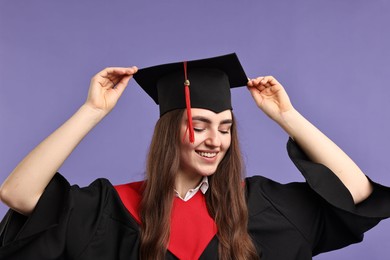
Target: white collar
column 203, row 187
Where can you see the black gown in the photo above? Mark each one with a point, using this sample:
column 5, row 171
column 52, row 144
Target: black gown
column 286, row 221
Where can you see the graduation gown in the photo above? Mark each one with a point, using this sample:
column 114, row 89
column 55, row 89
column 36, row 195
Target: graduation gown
column 286, row 221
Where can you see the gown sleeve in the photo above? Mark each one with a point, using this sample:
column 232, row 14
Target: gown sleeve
column 63, row 221
column 326, row 213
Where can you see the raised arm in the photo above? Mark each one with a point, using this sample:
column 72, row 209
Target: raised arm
column 25, row 185
column 272, row 99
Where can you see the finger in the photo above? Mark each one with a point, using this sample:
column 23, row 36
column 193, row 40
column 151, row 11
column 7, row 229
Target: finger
column 261, row 83
column 252, row 90
column 256, row 95
column 115, row 75
column 270, row 80
column 122, row 84
column 132, row 70
column 264, row 83
column 120, row 70
column 255, row 90
column 266, row 80
column 255, row 82
column 249, row 83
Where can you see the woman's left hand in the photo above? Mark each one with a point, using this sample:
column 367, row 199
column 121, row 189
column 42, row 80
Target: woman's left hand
column 270, row 96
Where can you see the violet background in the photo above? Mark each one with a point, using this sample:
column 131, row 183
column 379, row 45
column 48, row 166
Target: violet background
column 332, row 56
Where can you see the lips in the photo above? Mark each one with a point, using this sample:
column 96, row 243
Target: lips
column 207, row 154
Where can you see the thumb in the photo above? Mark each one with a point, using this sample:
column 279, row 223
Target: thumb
column 122, row 84
column 257, row 97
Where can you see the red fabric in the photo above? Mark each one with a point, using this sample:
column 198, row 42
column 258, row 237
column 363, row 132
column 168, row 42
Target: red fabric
column 189, row 116
column 188, row 105
column 192, row 228
column 130, row 195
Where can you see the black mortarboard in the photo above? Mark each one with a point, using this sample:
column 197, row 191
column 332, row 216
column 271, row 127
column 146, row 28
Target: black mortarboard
column 208, row 81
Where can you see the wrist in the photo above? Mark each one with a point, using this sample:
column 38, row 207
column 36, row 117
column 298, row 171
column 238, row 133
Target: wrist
column 291, row 121
column 91, row 114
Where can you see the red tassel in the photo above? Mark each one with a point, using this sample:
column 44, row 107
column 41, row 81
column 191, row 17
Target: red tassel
column 190, row 127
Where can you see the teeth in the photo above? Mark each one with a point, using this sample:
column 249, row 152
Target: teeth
column 208, row 155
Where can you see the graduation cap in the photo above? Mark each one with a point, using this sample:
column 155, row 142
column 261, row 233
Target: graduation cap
column 201, row 83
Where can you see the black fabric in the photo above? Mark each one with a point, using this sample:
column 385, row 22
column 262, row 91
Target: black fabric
column 209, row 89
column 210, row 82
column 286, row 221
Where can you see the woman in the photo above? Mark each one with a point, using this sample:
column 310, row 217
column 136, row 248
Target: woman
column 194, row 203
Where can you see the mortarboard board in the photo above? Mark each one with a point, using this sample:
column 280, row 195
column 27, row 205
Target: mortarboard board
column 201, row 83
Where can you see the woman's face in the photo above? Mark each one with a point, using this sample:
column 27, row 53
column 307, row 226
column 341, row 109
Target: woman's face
column 212, row 140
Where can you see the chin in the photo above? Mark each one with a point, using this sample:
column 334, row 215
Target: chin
column 207, row 173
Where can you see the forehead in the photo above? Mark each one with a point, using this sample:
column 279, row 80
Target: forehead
column 208, row 114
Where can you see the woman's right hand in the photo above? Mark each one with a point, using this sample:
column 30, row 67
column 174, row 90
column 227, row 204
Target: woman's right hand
column 27, row 182
column 107, row 86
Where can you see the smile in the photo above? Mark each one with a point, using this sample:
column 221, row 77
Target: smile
column 207, row 155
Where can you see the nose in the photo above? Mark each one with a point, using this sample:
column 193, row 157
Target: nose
column 213, row 139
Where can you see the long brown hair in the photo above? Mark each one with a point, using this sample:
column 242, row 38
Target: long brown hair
column 225, row 198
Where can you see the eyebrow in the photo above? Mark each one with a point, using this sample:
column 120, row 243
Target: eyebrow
column 208, row 121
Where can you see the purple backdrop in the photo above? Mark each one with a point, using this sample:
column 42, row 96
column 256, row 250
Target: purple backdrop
column 332, row 56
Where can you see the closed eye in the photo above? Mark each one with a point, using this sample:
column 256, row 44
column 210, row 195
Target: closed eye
column 197, row 129
column 225, row 131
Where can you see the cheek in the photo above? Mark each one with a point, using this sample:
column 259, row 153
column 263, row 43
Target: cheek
column 186, row 147
column 226, row 142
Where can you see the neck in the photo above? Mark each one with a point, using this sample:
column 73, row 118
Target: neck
column 185, row 182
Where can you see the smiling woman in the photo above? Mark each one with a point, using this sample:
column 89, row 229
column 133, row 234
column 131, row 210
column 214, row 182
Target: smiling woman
column 212, row 140
column 195, row 202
